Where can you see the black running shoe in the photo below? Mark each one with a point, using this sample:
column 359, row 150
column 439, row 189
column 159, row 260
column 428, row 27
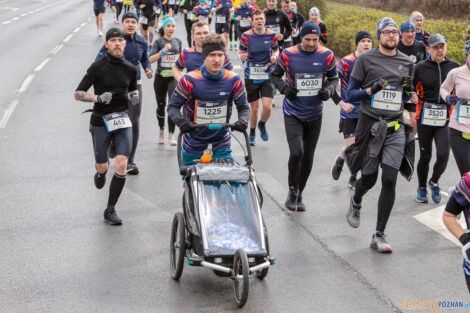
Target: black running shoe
column 132, row 168
column 100, row 180
column 300, row 204
column 337, row 168
column 111, row 217
column 291, row 202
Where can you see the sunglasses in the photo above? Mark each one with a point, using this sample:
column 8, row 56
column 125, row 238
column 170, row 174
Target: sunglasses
column 390, row 32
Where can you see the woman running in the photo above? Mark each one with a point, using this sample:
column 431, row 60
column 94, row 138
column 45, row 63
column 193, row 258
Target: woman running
column 165, row 50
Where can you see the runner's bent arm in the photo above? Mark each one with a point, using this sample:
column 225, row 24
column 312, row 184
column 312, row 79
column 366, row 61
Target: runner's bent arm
column 155, row 54
column 144, row 60
column 449, row 217
column 87, row 81
column 287, row 27
column 179, row 97
column 278, row 72
column 240, row 100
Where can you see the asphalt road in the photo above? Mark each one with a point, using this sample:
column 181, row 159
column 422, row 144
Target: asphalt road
column 57, row 255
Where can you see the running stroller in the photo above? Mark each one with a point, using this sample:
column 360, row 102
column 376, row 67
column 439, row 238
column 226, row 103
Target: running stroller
column 221, row 226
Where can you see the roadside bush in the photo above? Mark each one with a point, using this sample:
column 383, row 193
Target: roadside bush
column 344, row 21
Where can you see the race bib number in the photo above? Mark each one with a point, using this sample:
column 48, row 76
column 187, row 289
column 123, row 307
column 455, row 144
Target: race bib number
column 258, row 71
column 116, row 121
column 210, row 112
column 158, row 11
column 244, row 23
column 143, row 20
column 128, row 2
column 171, row 2
column 119, row 1
column 308, row 84
column 169, row 60
column 274, row 28
column 463, row 113
column 434, row 114
column 220, row 19
column 204, row 19
column 389, row 98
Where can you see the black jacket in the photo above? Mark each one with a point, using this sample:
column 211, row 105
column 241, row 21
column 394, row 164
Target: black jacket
column 428, row 78
column 278, row 17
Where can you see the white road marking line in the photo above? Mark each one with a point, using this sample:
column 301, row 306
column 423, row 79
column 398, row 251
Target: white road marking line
column 40, row 66
column 68, row 38
column 433, row 219
column 57, row 48
column 31, row 12
column 6, row 116
column 23, row 14
column 83, row 24
column 6, row 22
column 26, row 82
column 76, row 29
column 15, row 18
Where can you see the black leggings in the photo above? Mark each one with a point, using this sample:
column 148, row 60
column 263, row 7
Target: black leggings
column 233, row 29
column 426, row 134
column 387, row 193
column 164, row 86
column 134, row 115
column 118, row 6
column 188, row 25
column 302, row 138
column 461, row 150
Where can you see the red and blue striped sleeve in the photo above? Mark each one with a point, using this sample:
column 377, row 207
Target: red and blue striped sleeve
column 244, row 42
column 181, row 62
column 274, row 43
column 331, row 72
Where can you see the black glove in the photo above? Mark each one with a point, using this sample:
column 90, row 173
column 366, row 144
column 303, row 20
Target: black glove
column 465, row 240
column 379, row 85
column 407, row 86
column 240, row 126
column 324, row 94
column 289, row 92
column 186, row 126
column 105, row 98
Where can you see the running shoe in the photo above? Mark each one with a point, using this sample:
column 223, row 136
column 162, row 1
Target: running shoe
column 236, row 45
column 380, row 244
column 354, row 214
column 100, row 34
column 132, row 168
column 263, row 132
column 252, row 139
column 422, row 195
column 300, row 205
column 230, row 47
column 352, row 182
column 171, row 139
column 111, row 217
column 291, row 202
column 337, row 167
column 161, row 137
column 435, row 192
column 100, row 180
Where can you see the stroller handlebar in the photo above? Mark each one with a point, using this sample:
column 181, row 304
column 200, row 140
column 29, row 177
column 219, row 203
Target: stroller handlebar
column 184, row 168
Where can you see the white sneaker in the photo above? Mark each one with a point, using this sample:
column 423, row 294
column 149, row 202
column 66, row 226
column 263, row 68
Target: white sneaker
column 236, row 46
column 171, row 139
column 100, row 34
column 161, row 137
column 230, row 47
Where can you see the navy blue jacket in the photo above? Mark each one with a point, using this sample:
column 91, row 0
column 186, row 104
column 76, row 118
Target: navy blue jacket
column 136, row 52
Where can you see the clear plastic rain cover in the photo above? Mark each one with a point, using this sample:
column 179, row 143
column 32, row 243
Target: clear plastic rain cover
column 230, row 218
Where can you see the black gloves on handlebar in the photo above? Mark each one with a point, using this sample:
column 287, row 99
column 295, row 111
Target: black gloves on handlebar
column 186, row 126
column 240, row 126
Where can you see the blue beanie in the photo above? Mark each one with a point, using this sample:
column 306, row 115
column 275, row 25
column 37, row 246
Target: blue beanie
column 168, row 20
column 310, row 28
column 384, row 22
column 407, row 26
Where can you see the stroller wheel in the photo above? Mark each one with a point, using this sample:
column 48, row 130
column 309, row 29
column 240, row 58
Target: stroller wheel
column 177, row 246
column 241, row 283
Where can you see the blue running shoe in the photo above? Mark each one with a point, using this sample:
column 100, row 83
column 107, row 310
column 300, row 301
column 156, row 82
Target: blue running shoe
column 263, row 132
column 252, row 139
column 435, row 192
column 422, row 196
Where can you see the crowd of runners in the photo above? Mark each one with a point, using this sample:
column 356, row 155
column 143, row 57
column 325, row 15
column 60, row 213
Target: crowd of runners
column 404, row 90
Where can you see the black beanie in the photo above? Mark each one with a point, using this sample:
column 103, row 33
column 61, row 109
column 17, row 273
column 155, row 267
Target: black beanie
column 361, row 35
column 114, row 32
column 129, row 15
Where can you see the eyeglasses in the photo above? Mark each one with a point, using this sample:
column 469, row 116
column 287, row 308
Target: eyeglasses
column 390, row 32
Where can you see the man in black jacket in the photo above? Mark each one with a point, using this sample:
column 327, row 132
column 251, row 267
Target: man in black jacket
column 278, row 22
column 188, row 6
column 115, row 88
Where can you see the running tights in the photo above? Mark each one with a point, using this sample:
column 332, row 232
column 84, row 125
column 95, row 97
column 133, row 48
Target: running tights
column 461, row 150
column 387, row 194
column 426, row 134
column 164, row 86
column 302, row 138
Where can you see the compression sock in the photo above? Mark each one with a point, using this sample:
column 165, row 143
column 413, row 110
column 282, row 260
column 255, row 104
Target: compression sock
column 115, row 188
